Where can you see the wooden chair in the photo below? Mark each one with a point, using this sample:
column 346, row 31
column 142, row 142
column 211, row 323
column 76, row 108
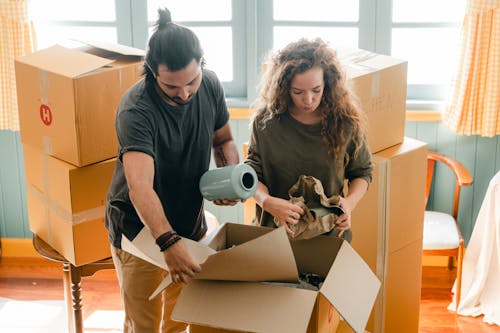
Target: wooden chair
column 442, row 234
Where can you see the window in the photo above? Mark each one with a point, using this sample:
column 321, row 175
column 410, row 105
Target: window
column 214, row 23
column 426, row 33
column 64, row 21
column 237, row 34
column 333, row 21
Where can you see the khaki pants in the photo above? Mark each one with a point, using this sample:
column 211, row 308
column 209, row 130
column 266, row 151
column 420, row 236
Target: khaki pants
column 138, row 279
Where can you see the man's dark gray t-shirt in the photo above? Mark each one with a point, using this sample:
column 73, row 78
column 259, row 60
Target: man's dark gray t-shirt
column 180, row 140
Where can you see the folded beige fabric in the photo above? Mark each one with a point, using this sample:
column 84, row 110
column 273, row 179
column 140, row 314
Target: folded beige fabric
column 320, row 212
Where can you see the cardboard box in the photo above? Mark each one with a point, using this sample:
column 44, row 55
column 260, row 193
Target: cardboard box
column 238, row 299
column 68, row 98
column 388, row 220
column 406, row 174
column 66, row 205
column 402, row 287
column 380, row 82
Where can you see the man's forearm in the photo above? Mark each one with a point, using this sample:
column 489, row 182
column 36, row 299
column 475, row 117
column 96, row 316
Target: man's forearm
column 150, row 210
column 226, row 154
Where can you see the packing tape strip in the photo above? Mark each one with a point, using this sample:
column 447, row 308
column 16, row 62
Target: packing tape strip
column 355, row 60
column 76, row 218
column 120, row 80
column 44, row 86
column 375, row 89
column 358, row 56
column 47, row 147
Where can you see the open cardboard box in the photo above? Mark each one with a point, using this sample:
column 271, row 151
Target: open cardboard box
column 234, row 289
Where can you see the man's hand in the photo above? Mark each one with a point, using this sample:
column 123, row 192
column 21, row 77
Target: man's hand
column 226, row 202
column 181, row 265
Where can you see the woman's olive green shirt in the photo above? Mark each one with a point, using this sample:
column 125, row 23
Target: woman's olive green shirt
column 284, row 149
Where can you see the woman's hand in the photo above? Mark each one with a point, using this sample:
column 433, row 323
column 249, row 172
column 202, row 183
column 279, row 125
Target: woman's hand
column 284, row 212
column 343, row 222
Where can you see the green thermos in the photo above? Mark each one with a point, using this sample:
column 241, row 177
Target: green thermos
column 231, row 182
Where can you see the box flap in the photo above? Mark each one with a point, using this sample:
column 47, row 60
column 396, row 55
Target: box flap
column 64, row 61
column 352, row 56
column 245, row 306
column 266, row 258
column 117, row 48
column 144, row 247
column 351, row 287
column 358, row 62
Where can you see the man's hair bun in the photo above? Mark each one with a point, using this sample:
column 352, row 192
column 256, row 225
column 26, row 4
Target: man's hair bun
column 164, row 18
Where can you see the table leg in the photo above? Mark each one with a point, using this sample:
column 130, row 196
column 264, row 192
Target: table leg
column 67, row 296
column 76, row 298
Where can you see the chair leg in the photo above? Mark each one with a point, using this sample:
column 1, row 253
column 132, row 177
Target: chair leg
column 459, row 276
column 451, row 263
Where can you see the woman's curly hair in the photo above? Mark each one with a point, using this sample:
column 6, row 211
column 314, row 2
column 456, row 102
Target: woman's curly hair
column 339, row 106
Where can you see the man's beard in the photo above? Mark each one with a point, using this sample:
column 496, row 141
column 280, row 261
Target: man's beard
column 175, row 99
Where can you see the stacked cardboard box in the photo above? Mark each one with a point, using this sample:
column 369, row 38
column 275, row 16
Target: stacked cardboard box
column 67, row 100
column 66, row 205
column 379, row 81
column 387, row 227
column 67, row 103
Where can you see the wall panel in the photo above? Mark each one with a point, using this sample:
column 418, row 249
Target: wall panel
column 480, row 155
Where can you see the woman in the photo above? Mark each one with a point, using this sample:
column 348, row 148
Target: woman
column 307, row 122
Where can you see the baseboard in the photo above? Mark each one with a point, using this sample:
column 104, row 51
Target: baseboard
column 18, row 247
column 23, row 247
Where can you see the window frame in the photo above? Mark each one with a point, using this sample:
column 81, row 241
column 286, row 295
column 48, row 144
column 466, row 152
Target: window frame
column 252, row 26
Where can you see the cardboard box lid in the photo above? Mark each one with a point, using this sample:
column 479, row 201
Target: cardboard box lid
column 408, row 145
column 117, row 48
column 358, row 62
column 73, row 62
column 63, row 61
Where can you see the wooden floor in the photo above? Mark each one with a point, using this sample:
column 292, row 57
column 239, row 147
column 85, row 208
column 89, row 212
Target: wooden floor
column 40, row 279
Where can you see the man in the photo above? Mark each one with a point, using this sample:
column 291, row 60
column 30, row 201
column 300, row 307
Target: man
column 166, row 125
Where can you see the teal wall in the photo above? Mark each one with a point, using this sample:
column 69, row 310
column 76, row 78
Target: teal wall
column 480, row 155
column 13, row 211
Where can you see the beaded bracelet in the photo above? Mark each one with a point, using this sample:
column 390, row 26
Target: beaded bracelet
column 170, row 242
column 163, row 238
